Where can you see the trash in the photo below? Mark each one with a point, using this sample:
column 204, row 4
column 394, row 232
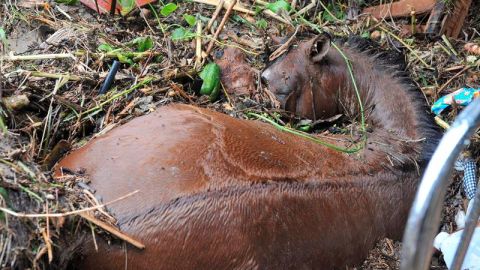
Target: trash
column 470, row 178
column 447, row 244
column 453, row 21
column 472, row 48
column 440, row 21
column 462, row 97
column 402, row 8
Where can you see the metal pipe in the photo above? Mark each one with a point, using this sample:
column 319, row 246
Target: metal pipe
column 424, row 216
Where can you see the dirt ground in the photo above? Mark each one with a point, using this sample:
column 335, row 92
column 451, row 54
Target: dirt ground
column 52, row 104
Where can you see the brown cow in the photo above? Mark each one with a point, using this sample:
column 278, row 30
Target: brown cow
column 224, row 193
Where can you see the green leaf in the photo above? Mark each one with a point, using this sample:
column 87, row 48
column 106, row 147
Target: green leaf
column 168, row 9
column 3, row 36
column 190, row 19
column 143, row 43
column 203, row 18
column 262, row 24
column 365, row 34
column 182, row 34
column 67, row 2
column 105, row 47
column 3, row 127
column 127, row 6
column 258, row 9
column 336, row 11
column 123, row 58
column 277, row 6
column 4, row 195
column 305, row 128
column 211, row 80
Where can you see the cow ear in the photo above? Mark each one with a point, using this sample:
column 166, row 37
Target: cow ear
column 320, row 47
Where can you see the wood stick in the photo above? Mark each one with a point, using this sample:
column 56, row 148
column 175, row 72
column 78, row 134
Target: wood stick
column 48, row 244
column 181, row 92
column 284, row 47
column 272, row 14
column 215, row 15
column 109, row 228
column 305, row 9
column 220, row 27
column 198, row 46
column 236, row 7
column 441, row 123
column 452, row 78
column 12, row 57
column 54, row 76
column 16, row 214
column 294, row 4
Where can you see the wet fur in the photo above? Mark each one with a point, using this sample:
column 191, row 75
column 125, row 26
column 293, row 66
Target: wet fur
column 299, row 206
column 394, row 63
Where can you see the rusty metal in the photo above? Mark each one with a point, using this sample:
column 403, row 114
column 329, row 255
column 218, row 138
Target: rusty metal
column 453, row 23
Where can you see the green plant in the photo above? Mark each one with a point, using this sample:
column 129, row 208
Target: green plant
column 127, row 6
column 333, row 13
column 67, row 2
column 143, row 43
column 278, row 5
column 168, row 9
column 211, row 80
column 262, row 24
column 189, row 19
column 3, row 126
column 4, row 195
column 181, row 33
column 3, row 36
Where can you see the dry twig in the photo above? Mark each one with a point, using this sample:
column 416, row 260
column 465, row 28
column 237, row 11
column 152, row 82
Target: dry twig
column 220, row 27
column 109, row 228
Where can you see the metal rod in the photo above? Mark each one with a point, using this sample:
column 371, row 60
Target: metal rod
column 424, row 216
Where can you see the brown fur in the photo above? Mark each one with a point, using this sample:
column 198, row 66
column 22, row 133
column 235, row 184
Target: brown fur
column 223, row 193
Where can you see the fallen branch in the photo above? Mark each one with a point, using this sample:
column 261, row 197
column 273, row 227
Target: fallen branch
column 441, row 123
column 406, row 46
column 53, row 75
column 237, row 7
column 271, row 13
column 215, row 15
column 305, row 9
column 69, row 213
column 109, row 228
column 452, row 78
column 220, row 27
column 12, row 57
column 198, row 45
column 282, row 49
